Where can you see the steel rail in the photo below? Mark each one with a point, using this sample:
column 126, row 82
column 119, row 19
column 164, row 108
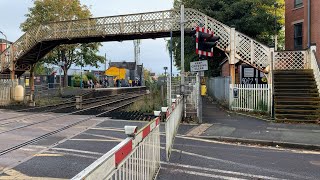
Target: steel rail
column 65, row 127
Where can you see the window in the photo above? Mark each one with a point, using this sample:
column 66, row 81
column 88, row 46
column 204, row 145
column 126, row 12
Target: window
column 298, row 3
column 298, row 36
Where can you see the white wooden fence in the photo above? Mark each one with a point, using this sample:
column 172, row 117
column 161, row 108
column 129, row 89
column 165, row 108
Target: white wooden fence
column 6, row 90
column 250, row 97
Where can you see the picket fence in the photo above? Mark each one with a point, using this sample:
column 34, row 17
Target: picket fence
column 250, row 97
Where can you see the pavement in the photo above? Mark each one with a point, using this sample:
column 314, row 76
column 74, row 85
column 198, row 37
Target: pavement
column 219, row 124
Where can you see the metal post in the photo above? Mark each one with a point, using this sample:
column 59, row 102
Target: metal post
column 182, row 49
column 275, row 27
column 170, row 79
column 199, row 100
column 182, row 57
column 272, row 82
column 81, row 80
column 309, row 23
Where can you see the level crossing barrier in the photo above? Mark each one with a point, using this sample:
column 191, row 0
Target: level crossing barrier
column 135, row 158
column 174, row 116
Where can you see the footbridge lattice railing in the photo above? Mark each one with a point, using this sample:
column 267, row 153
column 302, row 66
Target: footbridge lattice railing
column 245, row 48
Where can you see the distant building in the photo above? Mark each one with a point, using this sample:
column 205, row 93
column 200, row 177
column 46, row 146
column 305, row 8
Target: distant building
column 297, row 24
column 3, row 44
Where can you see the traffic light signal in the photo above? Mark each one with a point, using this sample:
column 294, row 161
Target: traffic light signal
column 205, row 41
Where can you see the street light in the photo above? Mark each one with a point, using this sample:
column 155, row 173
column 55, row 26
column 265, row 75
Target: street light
column 165, row 71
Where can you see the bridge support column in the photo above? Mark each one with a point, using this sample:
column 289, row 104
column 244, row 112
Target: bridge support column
column 232, row 55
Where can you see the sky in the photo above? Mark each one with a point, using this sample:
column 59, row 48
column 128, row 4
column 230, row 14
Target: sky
column 154, row 54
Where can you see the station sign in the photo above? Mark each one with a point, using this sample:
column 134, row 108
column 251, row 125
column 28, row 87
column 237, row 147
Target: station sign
column 199, row 66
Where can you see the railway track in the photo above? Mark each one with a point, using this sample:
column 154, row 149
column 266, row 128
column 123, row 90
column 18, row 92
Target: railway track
column 97, row 110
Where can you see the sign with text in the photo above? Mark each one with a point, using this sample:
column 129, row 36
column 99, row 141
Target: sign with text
column 199, row 66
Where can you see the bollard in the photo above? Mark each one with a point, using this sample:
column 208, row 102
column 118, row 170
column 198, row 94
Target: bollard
column 78, row 102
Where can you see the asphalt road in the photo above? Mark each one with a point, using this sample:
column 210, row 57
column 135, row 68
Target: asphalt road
column 205, row 159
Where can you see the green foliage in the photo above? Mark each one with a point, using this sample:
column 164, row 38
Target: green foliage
column 45, row 11
column 77, row 79
column 91, row 76
column 254, row 18
column 149, row 103
column 42, row 69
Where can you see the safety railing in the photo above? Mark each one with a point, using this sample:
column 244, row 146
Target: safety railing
column 174, row 116
column 315, row 67
column 290, row 60
column 135, row 158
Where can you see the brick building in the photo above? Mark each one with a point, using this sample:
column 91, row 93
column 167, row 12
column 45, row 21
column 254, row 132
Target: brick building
column 297, row 24
column 3, row 44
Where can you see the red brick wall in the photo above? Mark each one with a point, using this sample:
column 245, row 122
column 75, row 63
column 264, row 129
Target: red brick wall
column 293, row 15
column 2, row 47
column 225, row 70
column 315, row 25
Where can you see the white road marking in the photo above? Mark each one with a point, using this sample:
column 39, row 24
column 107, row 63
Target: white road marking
column 97, row 140
column 240, row 164
column 219, row 171
column 203, row 174
column 106, row 129
column 98, row 135
column 77, row 151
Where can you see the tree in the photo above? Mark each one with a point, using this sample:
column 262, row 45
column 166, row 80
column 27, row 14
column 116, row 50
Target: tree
column 254, row 18
column 45, row 11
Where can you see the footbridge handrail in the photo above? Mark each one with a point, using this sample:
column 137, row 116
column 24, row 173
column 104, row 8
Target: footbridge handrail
column 315, row 67
column 140, row 25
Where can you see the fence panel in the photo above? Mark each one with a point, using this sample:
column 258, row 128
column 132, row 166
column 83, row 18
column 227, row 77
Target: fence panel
column 6, row 90
column 218, row 88
column 134, row 158
column 250, row 97
column 174, row 116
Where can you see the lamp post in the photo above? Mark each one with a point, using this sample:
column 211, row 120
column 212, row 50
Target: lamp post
column 275, row 26
column 165, row 71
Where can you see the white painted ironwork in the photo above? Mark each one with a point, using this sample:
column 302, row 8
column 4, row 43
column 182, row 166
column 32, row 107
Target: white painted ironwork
column 174, row 113
column 247, row 49
column 134, row 158
column 251, row 97
column 251, row 51
column 315, row 66
column 290, row 60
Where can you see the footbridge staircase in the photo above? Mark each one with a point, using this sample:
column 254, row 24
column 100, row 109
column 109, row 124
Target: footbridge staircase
column 38, row 41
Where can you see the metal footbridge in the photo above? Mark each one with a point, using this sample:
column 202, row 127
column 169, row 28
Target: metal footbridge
column 39, row 40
